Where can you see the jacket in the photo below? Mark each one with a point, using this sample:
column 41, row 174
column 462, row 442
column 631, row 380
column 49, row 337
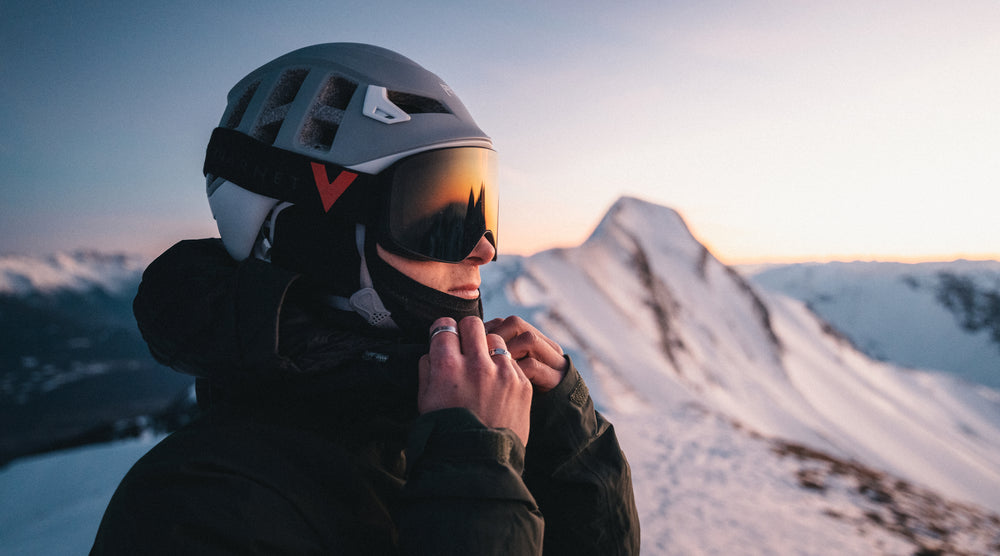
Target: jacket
column 311, row 442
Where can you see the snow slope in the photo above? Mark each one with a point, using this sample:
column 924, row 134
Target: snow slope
column 916, row 315
column 659, row 322
column 52, row 504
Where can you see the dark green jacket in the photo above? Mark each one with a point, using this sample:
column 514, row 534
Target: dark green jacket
column 312, row 443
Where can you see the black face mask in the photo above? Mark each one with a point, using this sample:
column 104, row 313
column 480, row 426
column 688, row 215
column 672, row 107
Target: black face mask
column 414, row 306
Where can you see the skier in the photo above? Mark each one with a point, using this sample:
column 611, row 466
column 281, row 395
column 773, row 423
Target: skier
column 354, row 400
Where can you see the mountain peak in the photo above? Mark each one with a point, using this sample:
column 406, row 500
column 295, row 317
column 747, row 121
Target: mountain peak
column 653, row 225
column 634, row 209
column 654, row 321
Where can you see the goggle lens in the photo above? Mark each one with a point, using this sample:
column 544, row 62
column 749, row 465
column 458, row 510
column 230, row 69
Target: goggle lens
column 442, row 202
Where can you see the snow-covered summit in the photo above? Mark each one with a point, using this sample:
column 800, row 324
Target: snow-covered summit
column 78, row 271
column 657, row 322
column 643, row 296
column 630, row 218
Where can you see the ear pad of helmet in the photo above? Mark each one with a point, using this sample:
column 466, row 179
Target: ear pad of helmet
column 322, row 248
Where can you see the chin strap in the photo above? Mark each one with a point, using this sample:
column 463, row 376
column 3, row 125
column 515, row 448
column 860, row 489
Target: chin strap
column 366, row 301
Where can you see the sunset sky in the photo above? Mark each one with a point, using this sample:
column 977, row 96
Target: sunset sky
column 781, row 130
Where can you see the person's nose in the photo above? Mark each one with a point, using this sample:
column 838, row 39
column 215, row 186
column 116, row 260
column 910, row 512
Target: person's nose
column 482, row 253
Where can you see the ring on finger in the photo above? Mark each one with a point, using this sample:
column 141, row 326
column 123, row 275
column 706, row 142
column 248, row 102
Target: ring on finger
column 444, row 328
column 500, row 351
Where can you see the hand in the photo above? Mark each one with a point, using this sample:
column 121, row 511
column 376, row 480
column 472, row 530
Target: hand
column 540, row 358
column 460, row 372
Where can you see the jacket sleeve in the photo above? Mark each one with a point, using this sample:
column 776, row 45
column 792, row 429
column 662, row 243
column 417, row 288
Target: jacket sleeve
column 464, row 493
column 579, row 476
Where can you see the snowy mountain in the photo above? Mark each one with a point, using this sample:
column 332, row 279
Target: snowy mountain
column 943, row 316
column 80, row 271
column 665, row 332
column 73, row 368
column 752, row 426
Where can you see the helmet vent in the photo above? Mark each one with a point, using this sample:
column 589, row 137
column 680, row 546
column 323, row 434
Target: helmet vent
column 416, row 104
column 240, row 108
column 277, row 105
column 326, row 113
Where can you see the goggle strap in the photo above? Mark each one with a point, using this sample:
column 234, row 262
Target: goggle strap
column 277, row 173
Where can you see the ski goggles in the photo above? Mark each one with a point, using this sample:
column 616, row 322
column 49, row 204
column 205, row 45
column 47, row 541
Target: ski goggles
column 436, row 206
column 439, row 204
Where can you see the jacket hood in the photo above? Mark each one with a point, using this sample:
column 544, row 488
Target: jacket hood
column 251, row 326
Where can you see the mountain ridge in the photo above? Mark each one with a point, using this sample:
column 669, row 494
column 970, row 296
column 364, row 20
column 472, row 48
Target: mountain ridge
column 73, row 271
column 675, row 326
column 943, row 316
column 73, row 366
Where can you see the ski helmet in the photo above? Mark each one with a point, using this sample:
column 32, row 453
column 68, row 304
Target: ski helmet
column 305, row 126
column 331, row 140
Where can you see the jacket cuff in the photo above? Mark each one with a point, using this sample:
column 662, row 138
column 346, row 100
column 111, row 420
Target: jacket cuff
column 452, row 454
column 563, row 420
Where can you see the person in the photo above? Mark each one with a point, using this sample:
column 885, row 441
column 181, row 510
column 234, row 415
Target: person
column 354, row 401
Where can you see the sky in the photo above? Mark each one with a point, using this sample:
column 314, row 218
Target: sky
column 780, row 130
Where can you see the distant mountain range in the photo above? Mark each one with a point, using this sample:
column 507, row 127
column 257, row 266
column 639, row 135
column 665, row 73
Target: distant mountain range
column 943, row 316
column 751, row 424
column 73, row 368
column 79, row 272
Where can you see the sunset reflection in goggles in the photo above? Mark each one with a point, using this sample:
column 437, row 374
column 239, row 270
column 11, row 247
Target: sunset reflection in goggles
column 440, row 203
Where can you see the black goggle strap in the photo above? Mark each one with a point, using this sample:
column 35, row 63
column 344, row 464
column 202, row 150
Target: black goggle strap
column 277, row 173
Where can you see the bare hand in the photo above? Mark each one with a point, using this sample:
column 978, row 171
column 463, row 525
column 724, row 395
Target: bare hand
column 539, row 358
column 460, row 372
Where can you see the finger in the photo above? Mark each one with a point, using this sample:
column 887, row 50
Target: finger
column 514, row 326
column 542, row 376
column 473, row 337
column 497, row 347
column 442, row 329
column 505, row 362
column 423, row 374
column 525, row 341
column 443, row 343
column 529, row 345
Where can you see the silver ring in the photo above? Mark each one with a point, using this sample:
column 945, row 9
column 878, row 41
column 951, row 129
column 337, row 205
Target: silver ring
column 499, row 351
column 441, row 329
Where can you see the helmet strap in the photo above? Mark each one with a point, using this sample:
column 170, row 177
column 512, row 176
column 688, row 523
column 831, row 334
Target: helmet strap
column 265, row 238
column 366, row 301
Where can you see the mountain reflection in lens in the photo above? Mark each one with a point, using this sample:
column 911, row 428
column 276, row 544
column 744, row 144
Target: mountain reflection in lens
column 442, row 202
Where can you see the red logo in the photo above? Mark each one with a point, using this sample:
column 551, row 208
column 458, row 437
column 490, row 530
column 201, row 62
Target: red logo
column 329, row 191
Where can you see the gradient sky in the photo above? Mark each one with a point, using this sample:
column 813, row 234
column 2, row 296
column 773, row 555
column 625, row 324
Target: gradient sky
column 781, row 130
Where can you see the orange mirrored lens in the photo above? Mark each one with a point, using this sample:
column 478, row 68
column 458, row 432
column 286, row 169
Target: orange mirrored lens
column 442, row 202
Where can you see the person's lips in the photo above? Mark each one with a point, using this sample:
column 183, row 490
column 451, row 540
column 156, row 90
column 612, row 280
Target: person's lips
column 467, row 291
